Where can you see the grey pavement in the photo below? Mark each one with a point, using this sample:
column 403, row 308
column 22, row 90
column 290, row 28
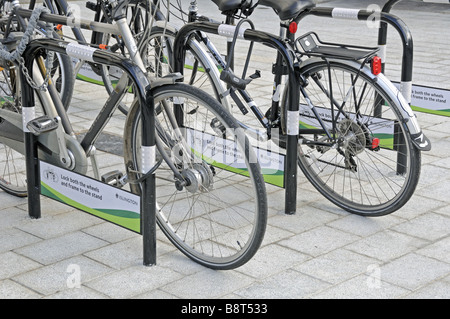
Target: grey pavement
column 321, row 252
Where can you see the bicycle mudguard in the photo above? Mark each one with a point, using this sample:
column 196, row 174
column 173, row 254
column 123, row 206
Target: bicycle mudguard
column 410, row 119
column 419, row 139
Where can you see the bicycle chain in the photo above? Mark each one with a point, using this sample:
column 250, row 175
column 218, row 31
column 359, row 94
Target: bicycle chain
column 21, row 46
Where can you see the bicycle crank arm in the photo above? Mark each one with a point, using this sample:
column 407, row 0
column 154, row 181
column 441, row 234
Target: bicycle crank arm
column 48, row 150
column 12, row 131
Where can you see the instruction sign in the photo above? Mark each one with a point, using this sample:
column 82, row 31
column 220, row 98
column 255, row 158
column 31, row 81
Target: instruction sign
column 225, row 154
column 87, row 74
column 91, row 196
column 429, row 100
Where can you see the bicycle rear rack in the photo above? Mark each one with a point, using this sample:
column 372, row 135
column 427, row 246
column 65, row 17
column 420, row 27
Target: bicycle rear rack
column 310, row 44
column 386, row 18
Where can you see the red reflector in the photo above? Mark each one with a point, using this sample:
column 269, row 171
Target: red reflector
column 293, row 27
column 376, row 65
column 375, row 143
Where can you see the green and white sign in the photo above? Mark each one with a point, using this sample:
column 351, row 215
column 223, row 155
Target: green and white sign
column 225, row 154
column 91, row 196
column 430, row 100
column 87, row 74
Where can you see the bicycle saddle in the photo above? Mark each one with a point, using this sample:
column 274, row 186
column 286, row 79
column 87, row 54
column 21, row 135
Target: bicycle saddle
column 287, row 9
column 232, row 5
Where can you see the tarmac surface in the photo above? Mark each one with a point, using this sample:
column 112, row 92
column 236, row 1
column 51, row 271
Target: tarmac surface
column 320, row 252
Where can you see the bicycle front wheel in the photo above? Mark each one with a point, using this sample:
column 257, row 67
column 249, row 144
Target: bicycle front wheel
column 373, row 167
column 211, row 202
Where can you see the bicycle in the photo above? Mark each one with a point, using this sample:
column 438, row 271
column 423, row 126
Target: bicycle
column 359, row 143
column 214, row 216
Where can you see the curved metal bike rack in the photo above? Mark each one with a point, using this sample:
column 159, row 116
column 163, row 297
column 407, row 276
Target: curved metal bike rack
column 143, row 92
column 385, row 19
column 277, row 44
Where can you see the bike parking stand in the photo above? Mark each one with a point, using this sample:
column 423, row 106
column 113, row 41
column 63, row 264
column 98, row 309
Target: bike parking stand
column 385, row 19
column 405, row 34
column 31, row 151
column 144, row 94
column 274, row 42
column 148, row 197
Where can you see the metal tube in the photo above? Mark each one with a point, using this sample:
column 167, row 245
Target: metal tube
column 128, row 39
column 148, row 200
column 31, row 152
column 72, row 22
column 275, row 42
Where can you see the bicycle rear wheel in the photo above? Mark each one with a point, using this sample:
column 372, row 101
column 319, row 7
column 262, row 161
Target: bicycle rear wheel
column 216, row 213
column 12, row 161
column 373, row 169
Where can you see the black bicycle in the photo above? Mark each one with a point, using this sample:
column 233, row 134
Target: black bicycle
column 350, row 131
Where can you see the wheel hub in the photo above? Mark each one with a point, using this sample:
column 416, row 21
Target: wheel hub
column 199, row 178
column 352, row 137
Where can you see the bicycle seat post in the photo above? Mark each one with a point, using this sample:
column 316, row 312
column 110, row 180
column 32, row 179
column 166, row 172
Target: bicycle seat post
column 120, row 17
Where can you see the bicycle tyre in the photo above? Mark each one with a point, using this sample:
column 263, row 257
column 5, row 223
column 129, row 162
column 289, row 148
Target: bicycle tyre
column 224, row 223
column 12, row 162
column 363, row 179
column 64, row 81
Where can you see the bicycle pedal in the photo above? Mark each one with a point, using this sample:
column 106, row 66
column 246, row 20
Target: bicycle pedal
column 42, row 124
column 91, row 6
column 112, row 178
column 255, row 75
